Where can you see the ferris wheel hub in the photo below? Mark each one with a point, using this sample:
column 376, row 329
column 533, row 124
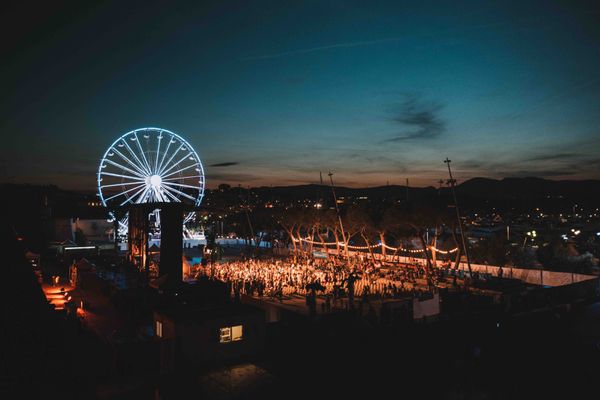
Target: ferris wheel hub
column 154, row 181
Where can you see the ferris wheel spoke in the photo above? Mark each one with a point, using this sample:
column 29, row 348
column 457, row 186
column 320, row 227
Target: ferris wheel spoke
column 124, row 168
column 135, row 178
column 171, row 196
column 183, row 177
column 153, row 195
column 170, row 159
column 165, row 154
column 188, row 217
column 157, row 152
column 179, row 192
column 125, row 192
column 172, row 192
column 137, row 141
column 121, row 184
column 141, row 164
column 142, row 196
column 180, row 170
column 182, row 185
column 124, row 223
column 163, row 197
column 177, row 163
column 141, row 171
column 143, row 189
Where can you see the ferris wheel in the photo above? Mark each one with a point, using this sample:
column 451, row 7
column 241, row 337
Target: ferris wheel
column 150, row 165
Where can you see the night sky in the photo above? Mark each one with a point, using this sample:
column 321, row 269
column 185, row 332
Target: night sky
column 273, row 93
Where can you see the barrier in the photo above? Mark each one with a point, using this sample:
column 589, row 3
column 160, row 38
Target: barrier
column 532, row 276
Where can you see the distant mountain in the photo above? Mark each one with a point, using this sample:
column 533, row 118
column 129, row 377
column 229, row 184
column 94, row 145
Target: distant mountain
column 315, row 192
column 507, row 192
column 507, row 188
column 516, row 188
column 518, row 194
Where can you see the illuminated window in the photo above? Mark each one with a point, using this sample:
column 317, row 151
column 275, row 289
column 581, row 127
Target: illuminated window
column 236, row 333
column 225, row 335
column 231, row 334
column 159, row 331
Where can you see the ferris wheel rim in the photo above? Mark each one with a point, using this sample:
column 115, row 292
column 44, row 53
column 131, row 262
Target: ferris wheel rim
column 142, row 170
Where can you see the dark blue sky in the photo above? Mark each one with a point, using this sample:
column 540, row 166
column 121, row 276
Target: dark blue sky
column 374, row 91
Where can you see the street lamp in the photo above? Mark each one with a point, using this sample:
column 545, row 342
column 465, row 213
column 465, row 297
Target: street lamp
column 532, row 234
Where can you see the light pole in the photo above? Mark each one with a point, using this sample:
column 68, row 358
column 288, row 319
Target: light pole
column 532, row 234
column 452, row 182
column 337, row 210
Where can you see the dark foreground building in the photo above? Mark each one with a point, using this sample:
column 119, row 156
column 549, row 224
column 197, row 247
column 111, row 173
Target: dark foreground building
column 207, row 335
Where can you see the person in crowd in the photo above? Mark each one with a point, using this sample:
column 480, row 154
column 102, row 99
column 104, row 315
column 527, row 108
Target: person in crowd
column 286, row 277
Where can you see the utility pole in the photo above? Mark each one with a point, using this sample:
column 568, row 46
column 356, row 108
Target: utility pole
column 250, row 223
column 337, row 210
column 452, row 183
column 320, row 199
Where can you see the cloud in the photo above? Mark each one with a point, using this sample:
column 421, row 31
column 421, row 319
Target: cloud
column 224, row 164
column 231, row 177
column 418, row 121
column 545, row 173
column 430, row 34
column 555, row 157
column 321, row 48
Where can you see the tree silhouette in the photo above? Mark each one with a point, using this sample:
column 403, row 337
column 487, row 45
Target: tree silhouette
column 420, row 218
column 289, row 220
column 353, row 221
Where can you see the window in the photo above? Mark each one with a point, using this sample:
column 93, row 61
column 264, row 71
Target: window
column 159, row 331
column 236, row 333
column 231, row 334
column 225, row 335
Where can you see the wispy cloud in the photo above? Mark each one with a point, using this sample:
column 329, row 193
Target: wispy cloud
column 555, row 157
column 231, row 177
column 224, row 164
column 360, row 43
column 545, row 173
column 321, row 48
column 417, row 121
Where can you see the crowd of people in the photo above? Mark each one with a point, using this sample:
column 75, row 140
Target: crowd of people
column 330, row 277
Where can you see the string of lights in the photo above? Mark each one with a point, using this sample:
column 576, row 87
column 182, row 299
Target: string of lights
column 374, row 246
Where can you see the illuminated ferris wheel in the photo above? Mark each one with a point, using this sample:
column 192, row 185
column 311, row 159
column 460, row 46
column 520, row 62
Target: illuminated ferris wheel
column 150, row 165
